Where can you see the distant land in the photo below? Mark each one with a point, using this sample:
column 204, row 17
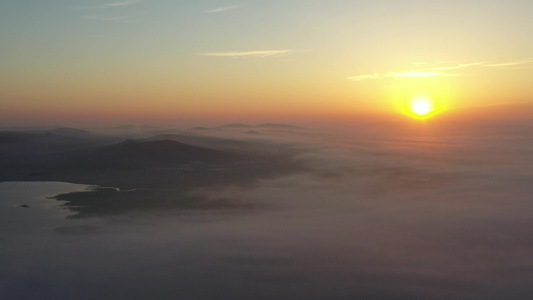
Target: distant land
column 253, row 132
column 235, row 125
column 279, row 126
column 169, row 165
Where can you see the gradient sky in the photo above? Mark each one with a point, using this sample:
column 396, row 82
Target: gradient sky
column 150, row 59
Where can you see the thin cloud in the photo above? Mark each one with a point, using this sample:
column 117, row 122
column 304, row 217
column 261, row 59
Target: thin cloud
column 415, row 74
column 512, row 63
column 392, row 75
column 114, row 4
column 110, row 17
column 365, row 77
column 438, row 71
column 105, row 18
column 460, row 66
column 221, row 9
column 487, row 64
column 259, row 54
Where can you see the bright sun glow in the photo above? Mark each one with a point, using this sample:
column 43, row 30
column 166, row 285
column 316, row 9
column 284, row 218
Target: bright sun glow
column 421, row 107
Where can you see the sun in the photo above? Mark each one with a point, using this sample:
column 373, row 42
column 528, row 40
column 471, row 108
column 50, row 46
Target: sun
column 421, row 107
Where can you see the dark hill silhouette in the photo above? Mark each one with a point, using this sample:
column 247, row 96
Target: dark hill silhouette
column 47, row 137
column 200, row 128
column 66, row 131
column 131, row 127
column 35, row 144
column 10, row 137
column 253, row 132
column 168, row 161
column 160, row 171
column 139, row 154
column 235, row 125
column 262, row 149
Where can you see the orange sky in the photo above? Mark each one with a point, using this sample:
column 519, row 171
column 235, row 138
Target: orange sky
column 141, row 60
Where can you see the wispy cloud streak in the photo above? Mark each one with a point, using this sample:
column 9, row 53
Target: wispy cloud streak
column 104, row 18
column 440, row 71
column 415, row 74
column 512, row 63
column 459, row 66
column 392, row 75
column 114, row 4
column 260, row 54
column 365, row 77
column 221, row 9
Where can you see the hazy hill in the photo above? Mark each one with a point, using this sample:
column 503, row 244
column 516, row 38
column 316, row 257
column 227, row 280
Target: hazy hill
column 66, row 131
column 167, row 161
column 235, row 125
column 262, row 149
column 163, row 171
column 33, row 144
column 253, row 132
column 131, row 127
column 245, row 126
column 277, row 126
column 200, row 128
column 140, row 154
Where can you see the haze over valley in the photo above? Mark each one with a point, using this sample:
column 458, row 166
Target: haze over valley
column 281, row 149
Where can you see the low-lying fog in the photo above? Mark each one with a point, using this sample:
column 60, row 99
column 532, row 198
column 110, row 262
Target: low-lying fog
column 404, row 216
